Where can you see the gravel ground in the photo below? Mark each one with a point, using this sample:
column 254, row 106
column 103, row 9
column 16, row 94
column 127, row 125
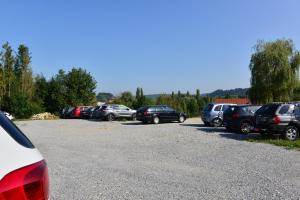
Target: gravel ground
column 128, row 160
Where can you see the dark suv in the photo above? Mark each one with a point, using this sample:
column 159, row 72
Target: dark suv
column 279, row 118
column 157, row 114
column 240, row 118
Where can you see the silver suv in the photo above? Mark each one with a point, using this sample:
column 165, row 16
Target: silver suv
column 111, row 112
column 212, row 114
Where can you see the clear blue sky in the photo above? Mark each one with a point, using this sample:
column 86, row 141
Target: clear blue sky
column 160, row 45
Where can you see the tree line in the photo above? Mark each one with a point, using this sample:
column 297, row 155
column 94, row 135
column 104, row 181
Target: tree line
column 23, row 94
column 188, row 103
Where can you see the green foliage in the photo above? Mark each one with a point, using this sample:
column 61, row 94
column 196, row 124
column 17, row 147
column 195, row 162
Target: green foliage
column 22, row 95
column 278, row 142
column 274, row 71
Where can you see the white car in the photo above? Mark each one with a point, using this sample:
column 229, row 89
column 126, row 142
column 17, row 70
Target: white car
column 23, row 170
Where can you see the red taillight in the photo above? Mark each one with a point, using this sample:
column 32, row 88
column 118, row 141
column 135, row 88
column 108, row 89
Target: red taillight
column 146, row 113
column 276, row 120
column 27, row 183
column 235, row 115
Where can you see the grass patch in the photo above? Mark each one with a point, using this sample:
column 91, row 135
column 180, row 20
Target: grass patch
column 277, row 141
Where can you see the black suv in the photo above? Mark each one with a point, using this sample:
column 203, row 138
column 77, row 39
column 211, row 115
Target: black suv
column 240, row 118
column 157, row 114
column 279, row 118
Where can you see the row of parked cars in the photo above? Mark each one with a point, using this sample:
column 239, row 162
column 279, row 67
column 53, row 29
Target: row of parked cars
column 147, row 114
column 274, row 118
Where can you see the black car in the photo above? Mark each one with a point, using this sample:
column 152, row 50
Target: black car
column 160, row 113
column 279, row 118
column 86, row 114
column 240, row 118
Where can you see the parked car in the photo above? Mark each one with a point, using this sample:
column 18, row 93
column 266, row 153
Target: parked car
column 111, row 112
column 212, row 115
column 77, row 110
column 160, row 113
column 279, row 118
column 96, row 113
column 24, row 173
column 87, row 113
column 240, row 118
column 66, row 112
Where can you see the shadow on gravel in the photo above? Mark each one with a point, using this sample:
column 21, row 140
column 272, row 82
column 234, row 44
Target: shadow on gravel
column 222, row 132
column 133, row 124
column 193, row 125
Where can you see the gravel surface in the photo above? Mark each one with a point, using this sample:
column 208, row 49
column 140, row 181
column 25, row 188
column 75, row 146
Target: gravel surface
column 128, row 160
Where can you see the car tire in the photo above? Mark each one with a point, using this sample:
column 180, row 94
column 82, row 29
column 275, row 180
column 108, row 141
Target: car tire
column 133, row 117
column 291, row 133
column 156, row 120
column 110, row 117
column 181, row 119
column 245, row 127
column 217, row 122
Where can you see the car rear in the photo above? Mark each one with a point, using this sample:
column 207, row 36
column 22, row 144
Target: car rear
column 269, row 118
column 230, row 115
column 206, row 115
column 143, row 114
column 23, row 172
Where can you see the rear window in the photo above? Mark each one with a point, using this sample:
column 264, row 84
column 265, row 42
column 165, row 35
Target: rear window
column 209, row 107
column 14, row 132
column 218, row 108
column 269, row 109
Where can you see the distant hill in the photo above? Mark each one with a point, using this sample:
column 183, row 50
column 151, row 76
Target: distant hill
column 238, row 92
column 152, row 96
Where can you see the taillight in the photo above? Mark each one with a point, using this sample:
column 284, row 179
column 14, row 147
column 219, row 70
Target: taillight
column 235, row 115
column 27, row 183
column 276, row 120
column 146, row 113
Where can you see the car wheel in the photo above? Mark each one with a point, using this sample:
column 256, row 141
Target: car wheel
column 291, row 133
column 155, row 120
column 133, row 117
column 110, row 117
column 245, row 127
column 181, row 119
column 217, row 122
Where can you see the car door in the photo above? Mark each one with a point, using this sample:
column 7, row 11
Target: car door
column 124, row 111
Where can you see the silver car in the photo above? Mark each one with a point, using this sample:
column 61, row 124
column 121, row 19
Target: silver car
column 212, row 114
column 111, row 112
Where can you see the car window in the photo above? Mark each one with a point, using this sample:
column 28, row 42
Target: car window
column 168, row 109
column 225, row 107
column 116, row 107
column 218, row 108
column 123, row 108
column 268, row 109
column 284, row 110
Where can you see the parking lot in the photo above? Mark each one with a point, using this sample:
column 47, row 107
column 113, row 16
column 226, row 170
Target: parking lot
column 128, row 160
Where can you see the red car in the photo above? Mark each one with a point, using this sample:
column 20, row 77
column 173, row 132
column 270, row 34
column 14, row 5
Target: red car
column 77, row 110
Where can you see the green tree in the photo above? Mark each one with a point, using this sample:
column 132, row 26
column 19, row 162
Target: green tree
column 23, row 72
column 274, row 71
column 8, row 62
column 80, row 87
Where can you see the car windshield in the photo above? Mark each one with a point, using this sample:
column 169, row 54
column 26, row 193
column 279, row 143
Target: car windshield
column 269, row 109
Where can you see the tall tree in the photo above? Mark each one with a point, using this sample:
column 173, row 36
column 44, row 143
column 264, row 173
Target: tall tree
column 8, row 62
column 23, row 71
column 274, row 71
